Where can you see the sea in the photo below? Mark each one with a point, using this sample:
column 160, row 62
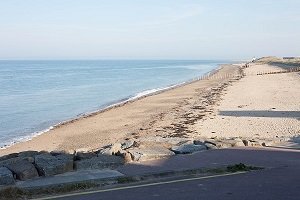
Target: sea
column 36, row 95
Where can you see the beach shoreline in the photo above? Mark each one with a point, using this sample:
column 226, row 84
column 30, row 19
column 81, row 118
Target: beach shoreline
column 106, row 109
column 178, row 112
column 112, row 105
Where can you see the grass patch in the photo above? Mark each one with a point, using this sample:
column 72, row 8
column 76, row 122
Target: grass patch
column 13, row 193
column 241, row 167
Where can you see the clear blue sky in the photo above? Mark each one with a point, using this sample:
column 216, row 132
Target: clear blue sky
column 148, row 29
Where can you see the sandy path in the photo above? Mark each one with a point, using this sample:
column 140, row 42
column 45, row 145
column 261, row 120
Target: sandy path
column 264, row 106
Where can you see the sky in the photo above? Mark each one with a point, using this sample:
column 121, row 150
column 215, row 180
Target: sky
column 148, row 29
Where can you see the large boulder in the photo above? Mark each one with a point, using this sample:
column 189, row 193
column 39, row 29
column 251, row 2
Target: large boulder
column 188, row 148
column 6, row 176
column 9, row 156
column 49, row 165
column 100, row 162
column 14, row 160
column 25, row 154
column 150, row 153
column 23, row 169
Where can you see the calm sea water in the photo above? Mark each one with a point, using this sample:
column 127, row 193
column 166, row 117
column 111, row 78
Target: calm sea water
column 35, row 95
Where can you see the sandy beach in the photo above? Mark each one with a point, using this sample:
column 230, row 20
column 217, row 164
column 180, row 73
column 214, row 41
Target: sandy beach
column 224, row 105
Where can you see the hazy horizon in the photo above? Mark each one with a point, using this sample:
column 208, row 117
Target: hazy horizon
column 146, row 30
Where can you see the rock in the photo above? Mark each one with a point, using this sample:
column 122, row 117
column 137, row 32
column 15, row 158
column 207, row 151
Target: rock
column 112, row 149
column 100, row 162
column 254, row 143
column 150, row 153
column 268, row 143
column 6, row 176
column 127, row 144
column 23, row 170
column 210, row 146
column 219, row 143
column 58, row 152
column 83, row 155
column 251, row 143
column 199, row 142
column 83, row 150
column 14, row 160
column 31, row 154
column 135, row 155
column 127, row 157
column 9, row 156
column 237, row 142
column 188, row 148
column 49, row 165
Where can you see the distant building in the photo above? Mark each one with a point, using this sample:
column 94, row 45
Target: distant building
column 289, row 57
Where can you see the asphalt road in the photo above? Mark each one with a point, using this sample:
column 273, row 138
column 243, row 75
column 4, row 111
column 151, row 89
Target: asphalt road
column 279, row 180
column 276, row 183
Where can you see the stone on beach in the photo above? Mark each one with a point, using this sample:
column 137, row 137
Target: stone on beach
column 112, row 149
column 188, row 148
column 127, row 144
column 23, row 169
column 100, row 162
column 49, row 165
column 6, row 176
column 150, row 153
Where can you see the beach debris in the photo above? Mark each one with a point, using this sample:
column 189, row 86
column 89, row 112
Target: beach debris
column 150, row 153
column 188, row 148
column 100, row 162
column 49, row 165
column 23, row 170
column 6, row 177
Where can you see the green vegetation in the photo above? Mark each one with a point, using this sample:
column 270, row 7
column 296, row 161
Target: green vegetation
column 281, row 62
column 241, row 167
column 13, row 193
